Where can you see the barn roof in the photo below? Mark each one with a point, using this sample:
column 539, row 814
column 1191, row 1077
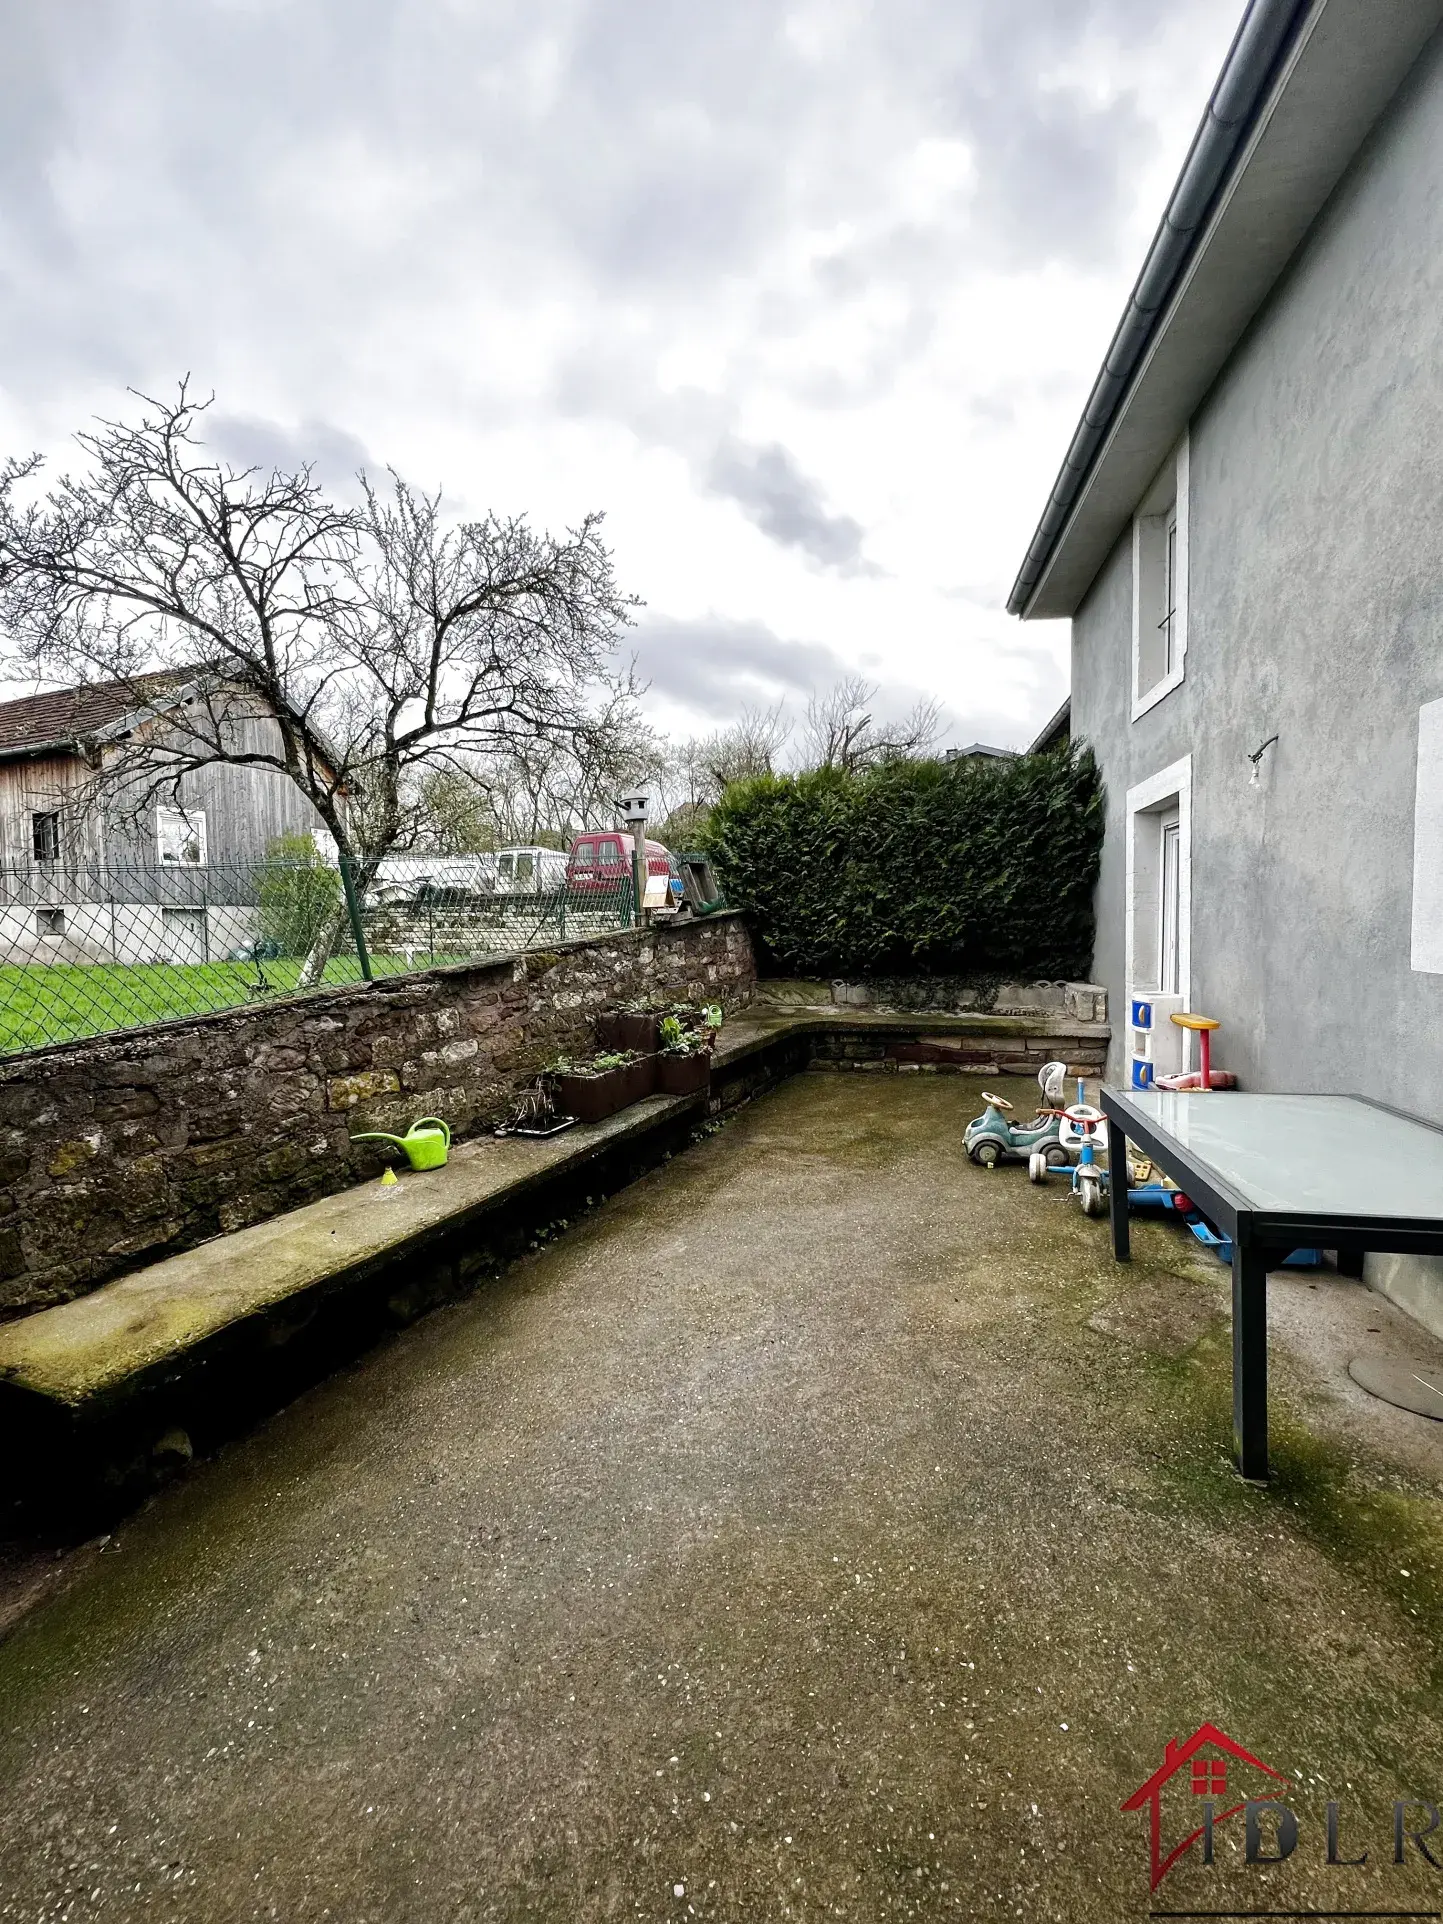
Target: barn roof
column 64, row 717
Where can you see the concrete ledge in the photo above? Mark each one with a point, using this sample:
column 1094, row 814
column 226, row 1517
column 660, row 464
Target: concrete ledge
column 101, row 1396
column 113, row 1340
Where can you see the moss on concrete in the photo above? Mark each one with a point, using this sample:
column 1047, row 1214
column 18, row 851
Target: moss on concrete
column 822, row 1525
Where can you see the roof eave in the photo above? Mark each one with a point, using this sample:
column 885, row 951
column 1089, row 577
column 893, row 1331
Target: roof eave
column 28, row 751
column 1348, row 60
column 1051, row 730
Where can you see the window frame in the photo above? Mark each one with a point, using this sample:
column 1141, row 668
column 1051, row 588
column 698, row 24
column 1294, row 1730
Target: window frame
column 49, row 818
column 1160, row 578
column 1151, row 804
column 194, row 823
column 1169, row 908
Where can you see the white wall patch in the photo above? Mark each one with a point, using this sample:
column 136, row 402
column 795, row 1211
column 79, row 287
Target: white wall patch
column 1428, row 842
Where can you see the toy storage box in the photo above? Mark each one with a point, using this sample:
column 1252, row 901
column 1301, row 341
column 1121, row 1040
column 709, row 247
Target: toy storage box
column 1156, row 1046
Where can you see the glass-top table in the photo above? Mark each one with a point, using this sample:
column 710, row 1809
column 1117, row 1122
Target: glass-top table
column 1277, row 1173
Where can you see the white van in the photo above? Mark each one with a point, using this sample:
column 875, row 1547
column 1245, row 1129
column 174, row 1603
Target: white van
column 529, row 871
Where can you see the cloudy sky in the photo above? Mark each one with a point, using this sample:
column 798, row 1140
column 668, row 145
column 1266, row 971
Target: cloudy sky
column 806, row 294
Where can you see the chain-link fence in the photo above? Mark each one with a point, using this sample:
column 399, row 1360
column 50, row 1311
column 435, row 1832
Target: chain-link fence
column 90, row 948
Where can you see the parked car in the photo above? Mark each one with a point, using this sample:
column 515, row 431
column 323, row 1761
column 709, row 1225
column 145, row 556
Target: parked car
column 527, row 871
column 418, row 879
column 600, row 863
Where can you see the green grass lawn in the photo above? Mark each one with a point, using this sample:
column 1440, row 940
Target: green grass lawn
column 47, row 1002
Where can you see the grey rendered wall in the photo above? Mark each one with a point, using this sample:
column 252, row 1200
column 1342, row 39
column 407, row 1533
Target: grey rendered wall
column 1316, row 611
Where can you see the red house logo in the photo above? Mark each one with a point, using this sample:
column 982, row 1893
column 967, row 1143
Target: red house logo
column 1205, row 1765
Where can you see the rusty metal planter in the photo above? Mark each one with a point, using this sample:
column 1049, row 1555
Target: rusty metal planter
column 592, row 1098
column 678, row 1075
column 615, row 1029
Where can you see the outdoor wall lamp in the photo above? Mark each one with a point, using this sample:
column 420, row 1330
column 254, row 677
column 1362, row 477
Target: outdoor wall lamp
column 1256, row 757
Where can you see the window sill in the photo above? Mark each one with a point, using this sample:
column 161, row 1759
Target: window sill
column 1151, row 698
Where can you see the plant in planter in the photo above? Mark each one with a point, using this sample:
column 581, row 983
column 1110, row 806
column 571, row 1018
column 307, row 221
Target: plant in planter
column 704, row 1020
column 683, row 1067
column 595, row 1089
column 630, row 1025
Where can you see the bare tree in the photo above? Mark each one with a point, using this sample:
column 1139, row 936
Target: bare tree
column 385, row 645
column 693, row 774
column 544, row 792
column 840, row 730
column 751, row 746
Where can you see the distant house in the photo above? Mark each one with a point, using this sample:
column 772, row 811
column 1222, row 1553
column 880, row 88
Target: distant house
column 1056, row 732
column 980, row 752
column 1245, row 535
column 93, row 870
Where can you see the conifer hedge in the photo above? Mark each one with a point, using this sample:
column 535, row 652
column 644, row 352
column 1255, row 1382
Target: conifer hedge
column 967, row 867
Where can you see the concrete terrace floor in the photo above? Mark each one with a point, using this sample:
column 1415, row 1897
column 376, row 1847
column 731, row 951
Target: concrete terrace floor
column 822, row 1528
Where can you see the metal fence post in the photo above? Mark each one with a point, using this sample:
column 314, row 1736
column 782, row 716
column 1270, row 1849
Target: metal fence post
column 353, row 909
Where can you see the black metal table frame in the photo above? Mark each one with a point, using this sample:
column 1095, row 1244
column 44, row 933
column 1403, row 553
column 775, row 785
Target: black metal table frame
column 1261, row 1238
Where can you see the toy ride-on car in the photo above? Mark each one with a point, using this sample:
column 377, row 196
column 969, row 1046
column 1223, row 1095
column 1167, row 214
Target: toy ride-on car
column 990, row 1137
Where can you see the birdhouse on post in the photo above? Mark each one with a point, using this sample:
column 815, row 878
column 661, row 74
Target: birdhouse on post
column 633, row 811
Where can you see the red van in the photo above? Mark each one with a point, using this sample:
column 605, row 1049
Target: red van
column 600, row 862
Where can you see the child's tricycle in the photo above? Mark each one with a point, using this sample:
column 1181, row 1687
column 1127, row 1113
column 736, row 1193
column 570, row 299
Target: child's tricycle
column 990, row 1137
column 1085, row 1130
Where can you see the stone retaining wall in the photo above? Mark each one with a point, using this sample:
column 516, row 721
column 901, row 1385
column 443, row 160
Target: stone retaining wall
column 974, row 1055
column 1079, row 1001
column 116, row 1152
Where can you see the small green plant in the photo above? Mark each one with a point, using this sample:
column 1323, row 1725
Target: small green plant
column 299, row 894
column 686, row 1030
column 597, row 1065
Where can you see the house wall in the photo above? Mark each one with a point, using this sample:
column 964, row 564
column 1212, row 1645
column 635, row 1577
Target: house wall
column 34, row 784
column 246, row 807
column 1315, row 611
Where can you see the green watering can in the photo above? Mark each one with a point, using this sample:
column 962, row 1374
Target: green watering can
column 425, row 1142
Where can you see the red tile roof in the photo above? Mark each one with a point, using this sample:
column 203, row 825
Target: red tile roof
column 65, row 715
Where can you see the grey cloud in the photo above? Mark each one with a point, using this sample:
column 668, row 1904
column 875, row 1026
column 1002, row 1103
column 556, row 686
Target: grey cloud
column 766, row 482
column 335, row 454
column 717, row 667
column 655, row 150
column 774, row 494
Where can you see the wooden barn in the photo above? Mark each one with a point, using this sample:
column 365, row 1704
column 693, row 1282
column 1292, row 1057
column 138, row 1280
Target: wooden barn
column 97, row 861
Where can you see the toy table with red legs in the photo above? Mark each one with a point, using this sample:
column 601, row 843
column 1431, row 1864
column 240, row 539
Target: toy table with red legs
column 1277, row 1173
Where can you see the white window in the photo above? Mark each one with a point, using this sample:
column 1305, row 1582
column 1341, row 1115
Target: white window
column 180, row 836
column 1169, row 919
column 1160, row 584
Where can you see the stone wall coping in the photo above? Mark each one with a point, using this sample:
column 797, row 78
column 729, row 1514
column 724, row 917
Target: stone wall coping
column 102, row 1344
column 762, row 1021
column 317, row 1002
column 83, row 1351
